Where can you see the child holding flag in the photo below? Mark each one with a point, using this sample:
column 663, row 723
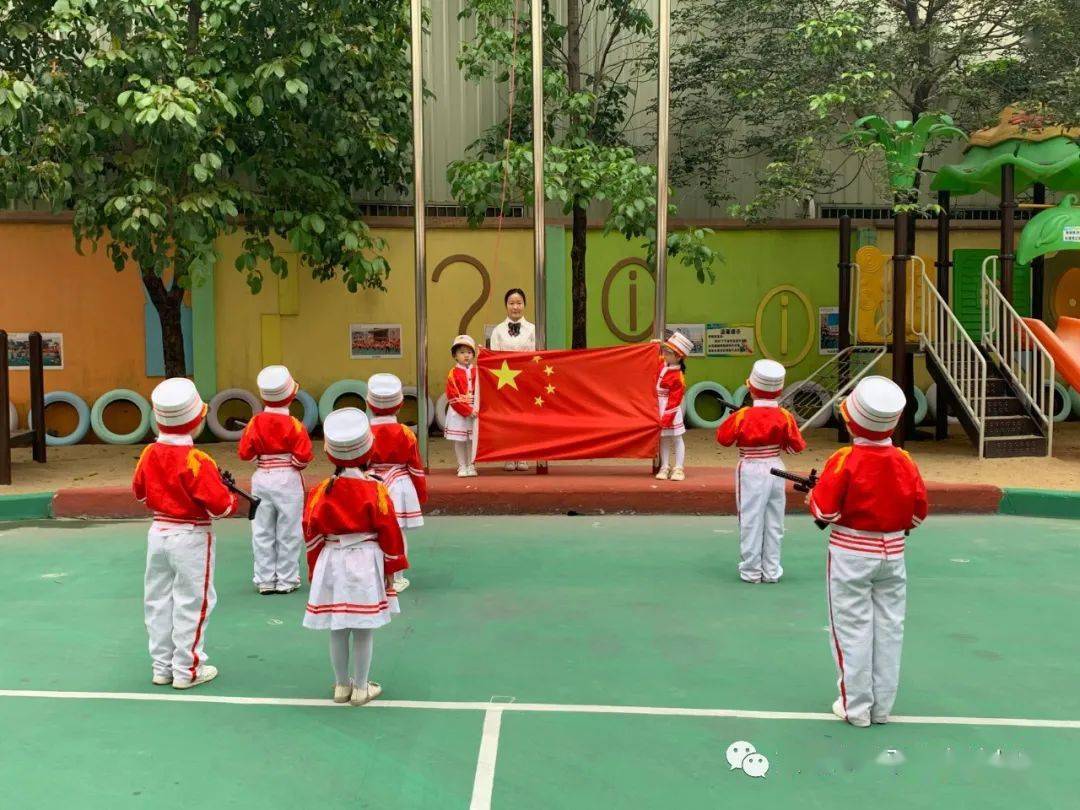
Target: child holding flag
column 670, row 389
column 462, row 400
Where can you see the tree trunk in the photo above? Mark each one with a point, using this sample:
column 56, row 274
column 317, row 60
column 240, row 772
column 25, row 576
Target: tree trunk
column 168, row 303
column 577, row 270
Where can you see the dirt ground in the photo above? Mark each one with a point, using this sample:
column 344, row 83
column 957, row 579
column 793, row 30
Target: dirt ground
column 954, row 460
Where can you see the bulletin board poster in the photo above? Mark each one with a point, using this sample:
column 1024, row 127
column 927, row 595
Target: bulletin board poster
column 52, row 351
column 828, row 330
column 372, row 340
column 729, row 340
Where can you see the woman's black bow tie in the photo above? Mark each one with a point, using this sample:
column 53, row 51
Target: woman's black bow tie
column 515, row 328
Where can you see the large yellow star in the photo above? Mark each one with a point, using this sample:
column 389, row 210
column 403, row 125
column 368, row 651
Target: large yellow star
column 505, row 375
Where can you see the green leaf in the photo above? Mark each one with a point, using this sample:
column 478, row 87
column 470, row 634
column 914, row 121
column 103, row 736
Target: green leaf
column 255, row 105
column 123, row 98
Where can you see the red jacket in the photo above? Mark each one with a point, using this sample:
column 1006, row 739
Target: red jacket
column 761, row 432
column 353, row 506
column 870, row 488
column 275, row 433
column 461, row 390
column 396, row 445
column 181, row 484
column 672, row 384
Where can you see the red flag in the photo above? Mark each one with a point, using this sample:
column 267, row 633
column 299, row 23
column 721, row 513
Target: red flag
column 567, row 404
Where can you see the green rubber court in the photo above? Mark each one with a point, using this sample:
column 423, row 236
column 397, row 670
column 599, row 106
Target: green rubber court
column 548, row 662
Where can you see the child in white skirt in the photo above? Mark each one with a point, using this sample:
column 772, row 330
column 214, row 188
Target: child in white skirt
column 395, row 458
column 670, row 388
column 462, row 400
column 354, row 547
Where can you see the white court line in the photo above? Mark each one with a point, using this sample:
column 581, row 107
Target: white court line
column 562, row 708
column 484, row 780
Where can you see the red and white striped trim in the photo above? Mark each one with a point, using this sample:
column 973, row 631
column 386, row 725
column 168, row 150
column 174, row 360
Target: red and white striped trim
column 765, row 451
column 179, row 521
column 463, row 434
column 368, row 609
column 815, row 510
column 390, row 472
column 878, row 544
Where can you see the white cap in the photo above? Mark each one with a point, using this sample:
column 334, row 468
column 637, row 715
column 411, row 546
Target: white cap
column 680, row 344
column 768, row 376
column 177, row 404
column 347, row 434
column 276, row 384
column 875, row 405
column 384, row 391
column 463, row 340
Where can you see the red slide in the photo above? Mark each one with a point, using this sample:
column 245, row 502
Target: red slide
column 1064, row 346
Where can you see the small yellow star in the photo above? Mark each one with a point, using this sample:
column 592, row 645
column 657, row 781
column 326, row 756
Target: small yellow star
column 549, row 370
column 551, row 389
column 505, row 375
column 537, row 358
column 539, row 402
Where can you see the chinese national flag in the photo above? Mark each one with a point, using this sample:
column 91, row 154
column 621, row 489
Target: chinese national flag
column 568, row 404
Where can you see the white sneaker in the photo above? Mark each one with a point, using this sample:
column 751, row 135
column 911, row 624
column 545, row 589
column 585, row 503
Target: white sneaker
column 510, row 466
column 288, row 588
column 462, row 472
column 677, row 474
column 523, row 466
column 265, row 587
column 664, row 474
column 838, row 710
column 161, row 680
column 207, row 673
column 400, row 584
column 342, row 692
column 472, row 473
column 365, row 694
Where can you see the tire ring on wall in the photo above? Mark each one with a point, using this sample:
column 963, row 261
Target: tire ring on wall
column 931, row 404
column 97, row 416
column 1074, row 395
column 922, row 406
column 81, row 408
column 336, row 390
column 822, row 396
column 440, row 412
column 1062, row 394
column 410, row 391
column 219, row 399
column 690, row 403
column 311, row 410
column 13, row 418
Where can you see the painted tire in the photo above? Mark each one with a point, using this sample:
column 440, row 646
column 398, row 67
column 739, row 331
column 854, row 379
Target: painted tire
column 311, row 410
column 440, row 412
column 97, row 416
column 336, row 390
column 922, row 406
column 219, row 399
column 81, row 408
column 1062, row 396
column 13, row 418
column 1074, row 395
column 819, row 393
column 690, row 403
column 931, row 404
column 410, row 391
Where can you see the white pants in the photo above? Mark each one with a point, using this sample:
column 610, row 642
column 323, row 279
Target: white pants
column 760, row 499
column 867, row 602
column 178, row 597
column 277, row 537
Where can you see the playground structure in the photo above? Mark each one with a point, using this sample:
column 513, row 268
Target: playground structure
column 10, row 435
column 999, row 383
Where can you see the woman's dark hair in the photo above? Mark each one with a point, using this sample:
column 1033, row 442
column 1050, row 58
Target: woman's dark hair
column 682, row 364
column 517, row 290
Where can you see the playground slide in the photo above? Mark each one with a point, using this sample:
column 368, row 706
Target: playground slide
column 1064, row 346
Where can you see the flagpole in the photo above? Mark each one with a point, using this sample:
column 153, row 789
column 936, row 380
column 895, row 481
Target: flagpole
column 539, row 244
column 419, row 224
column 663, row 99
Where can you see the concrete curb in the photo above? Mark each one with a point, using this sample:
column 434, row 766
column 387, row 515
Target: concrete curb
column 27, row 506
column 1040, row 503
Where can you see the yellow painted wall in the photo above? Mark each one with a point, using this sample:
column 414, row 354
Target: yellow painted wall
column 315, row 342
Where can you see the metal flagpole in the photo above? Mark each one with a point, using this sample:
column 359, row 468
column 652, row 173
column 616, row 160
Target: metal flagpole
column 539, row 245
column 416, row 21
column 663, row 100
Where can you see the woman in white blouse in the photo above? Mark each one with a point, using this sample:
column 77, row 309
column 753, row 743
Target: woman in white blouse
column 515, row 334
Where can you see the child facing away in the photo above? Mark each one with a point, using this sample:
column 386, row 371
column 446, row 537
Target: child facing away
column 354, row 548
column 280, row 445
column 873, row 495
column 183, row 488
column 670, row 389
column 462, row 411
column 761, row 432
column 395, row 458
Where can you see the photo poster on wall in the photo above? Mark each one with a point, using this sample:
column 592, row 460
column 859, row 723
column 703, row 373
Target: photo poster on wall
column 371, row 340
column 729, row 339
column 694, row 331
column 828, row 330
column 52, row 350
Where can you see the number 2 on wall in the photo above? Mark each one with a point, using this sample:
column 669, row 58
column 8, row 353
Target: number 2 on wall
column 485, row 290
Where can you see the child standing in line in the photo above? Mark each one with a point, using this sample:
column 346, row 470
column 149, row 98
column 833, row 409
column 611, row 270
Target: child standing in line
column 395, row 458
column 354, row 548
column 761, row 433
column 280, row 444
column 184, row 489
column 874, row 495
column 462, row 410
column 670, row 389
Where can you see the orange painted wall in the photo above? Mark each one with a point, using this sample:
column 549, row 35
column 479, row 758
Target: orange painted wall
column 45, row 285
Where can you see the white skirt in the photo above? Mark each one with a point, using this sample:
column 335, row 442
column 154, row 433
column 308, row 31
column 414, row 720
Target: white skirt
column 402, row 494
column 348, row 589
column 459, row 428
column 677, row 427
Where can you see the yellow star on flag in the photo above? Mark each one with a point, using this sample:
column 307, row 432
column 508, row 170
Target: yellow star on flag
column 505, row 375
column 539, row 402
column 551, row 389
column 537, row 358
column 549, row 370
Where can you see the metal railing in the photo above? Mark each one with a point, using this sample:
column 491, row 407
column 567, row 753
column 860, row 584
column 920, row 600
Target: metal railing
column 944, row 338
column 1018, row 352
